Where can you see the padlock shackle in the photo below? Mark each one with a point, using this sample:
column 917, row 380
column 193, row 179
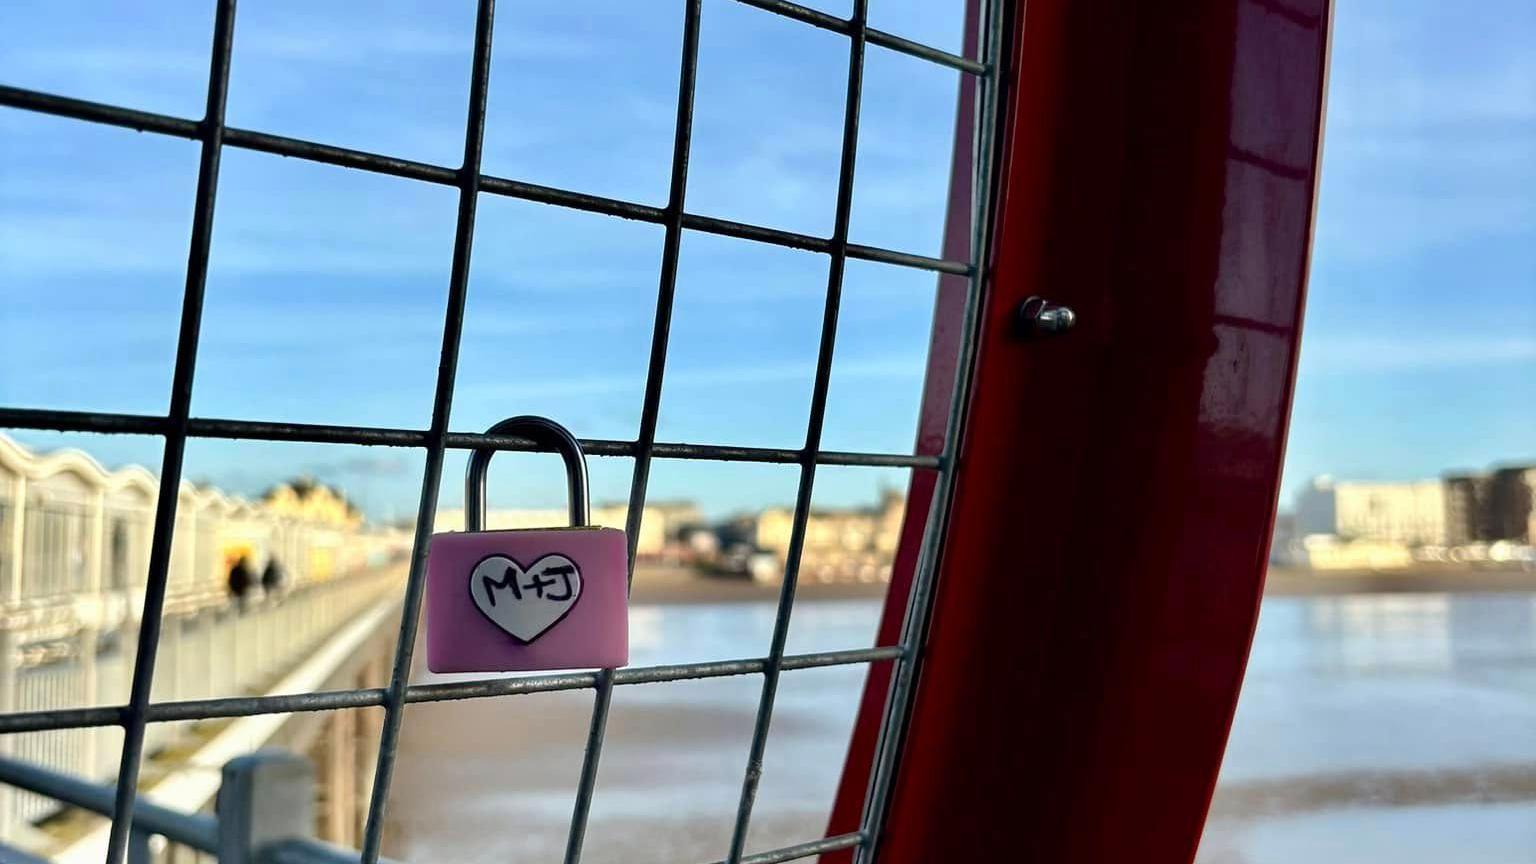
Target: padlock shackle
column 544, row 431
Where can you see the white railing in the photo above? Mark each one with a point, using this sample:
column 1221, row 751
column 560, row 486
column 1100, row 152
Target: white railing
column 219, row 650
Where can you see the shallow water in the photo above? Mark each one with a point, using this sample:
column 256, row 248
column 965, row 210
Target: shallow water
column 495, row 780
column 1372, row 728
column 1384, row 728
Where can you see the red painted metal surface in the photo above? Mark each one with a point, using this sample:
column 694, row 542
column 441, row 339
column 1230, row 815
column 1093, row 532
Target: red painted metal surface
column 933, row 419
column 1116, row 490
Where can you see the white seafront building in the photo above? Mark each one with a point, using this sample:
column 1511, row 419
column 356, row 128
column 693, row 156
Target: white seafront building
column 74, row 553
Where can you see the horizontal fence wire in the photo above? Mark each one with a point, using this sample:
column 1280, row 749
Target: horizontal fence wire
column 801, row 850
column 315, row 433
column 846, row 26
column 177, row 425
column 308, row 852
column 79, row 109
column 330, row 700
column 805, row 850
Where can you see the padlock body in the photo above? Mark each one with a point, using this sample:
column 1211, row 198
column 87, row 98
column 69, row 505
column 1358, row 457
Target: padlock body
column 525, row 600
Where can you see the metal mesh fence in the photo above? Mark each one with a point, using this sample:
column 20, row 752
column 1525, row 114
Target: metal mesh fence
column 177, row 425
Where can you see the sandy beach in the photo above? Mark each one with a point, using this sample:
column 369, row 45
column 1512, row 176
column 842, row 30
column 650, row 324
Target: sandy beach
column 1427, row 578
column 668, row 585
column 495, row 780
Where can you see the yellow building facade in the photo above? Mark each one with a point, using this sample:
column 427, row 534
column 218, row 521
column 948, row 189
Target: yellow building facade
column 853, row 544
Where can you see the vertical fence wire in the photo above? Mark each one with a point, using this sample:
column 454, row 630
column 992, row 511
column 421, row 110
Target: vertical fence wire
column 919, row 605
column 426, row 512
column 662, row 328
column 134, row 719
column 178, row 427
column 839, row 260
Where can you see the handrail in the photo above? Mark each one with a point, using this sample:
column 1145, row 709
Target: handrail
column 195, row 830
column 199, row 831
column 247, row 831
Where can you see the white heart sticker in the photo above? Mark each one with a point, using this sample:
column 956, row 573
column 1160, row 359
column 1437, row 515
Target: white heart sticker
column 525, row 601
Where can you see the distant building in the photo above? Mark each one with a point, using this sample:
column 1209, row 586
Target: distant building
column 678, row 515
column 856, row 543
column 1492, row 506
column 673, row 532
column 332, row 522
column 75, row 542
column 1467, row 509
column 1316, row 512
column 1412, row 514
column 1282, row 543
column 1328, row 552
column 308, row 500
column 649, row 546
column 1511, row 498
column 69, row 525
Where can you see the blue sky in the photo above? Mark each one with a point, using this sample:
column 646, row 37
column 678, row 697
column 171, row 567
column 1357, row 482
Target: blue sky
column 1419, row 353
column 326, row 287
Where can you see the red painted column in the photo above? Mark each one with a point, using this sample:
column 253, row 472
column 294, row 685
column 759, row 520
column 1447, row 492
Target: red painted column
column 939, row 381
column 1116, row 488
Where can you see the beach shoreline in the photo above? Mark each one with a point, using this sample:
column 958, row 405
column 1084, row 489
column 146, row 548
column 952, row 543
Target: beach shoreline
column 667, row 585
column 671, row 585
column 1422, row 579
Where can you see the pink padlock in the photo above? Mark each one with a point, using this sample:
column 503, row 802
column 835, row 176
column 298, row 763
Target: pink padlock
column 528, row 599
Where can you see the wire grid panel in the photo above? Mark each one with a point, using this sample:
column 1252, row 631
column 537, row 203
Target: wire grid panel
column 176, row 426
